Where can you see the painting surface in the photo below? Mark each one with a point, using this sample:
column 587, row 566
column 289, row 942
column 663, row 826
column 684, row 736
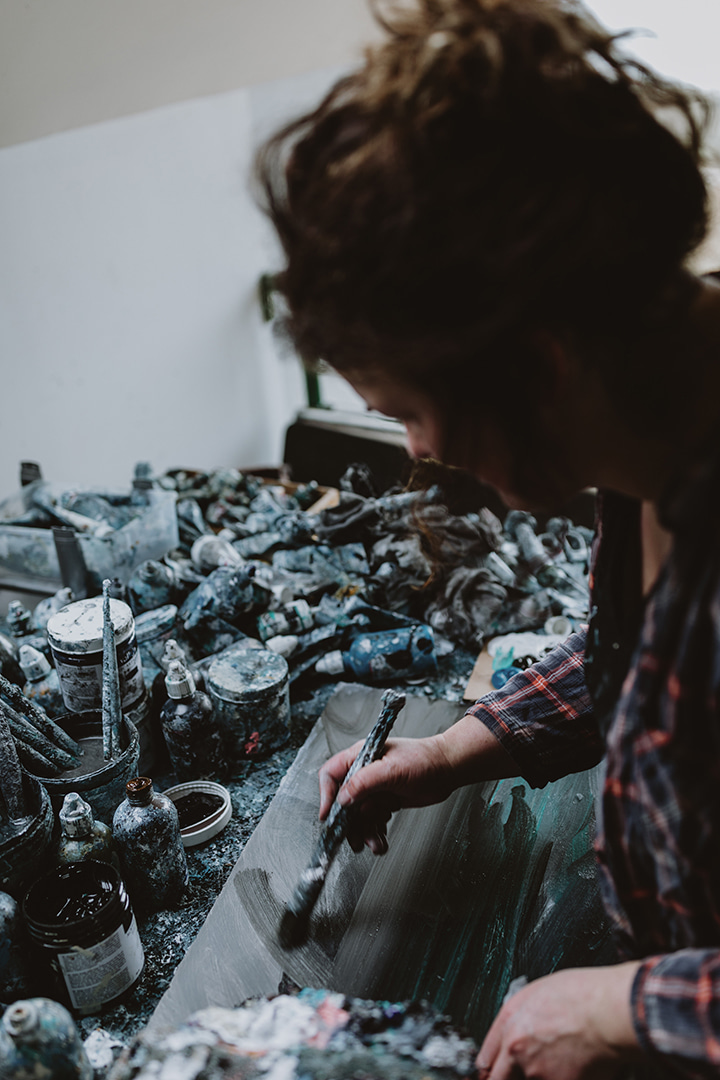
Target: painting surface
column 498, row 881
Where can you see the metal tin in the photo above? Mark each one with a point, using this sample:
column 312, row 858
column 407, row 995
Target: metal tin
column 75, row 634
column 251, row 692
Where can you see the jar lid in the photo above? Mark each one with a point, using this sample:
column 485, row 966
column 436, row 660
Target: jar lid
column 78, row 627
column 150, row 624
column 243, row 676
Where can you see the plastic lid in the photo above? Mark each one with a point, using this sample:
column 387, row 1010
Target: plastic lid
column 204, row 829
column 34, row 663
column 76, row 816
column 150, row 624
column 78, row 627
column 179, row 681
column 242, row 676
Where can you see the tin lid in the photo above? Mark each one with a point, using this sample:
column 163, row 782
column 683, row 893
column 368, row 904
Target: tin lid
column 151, row 624
column 78, row 627
column 245, row 676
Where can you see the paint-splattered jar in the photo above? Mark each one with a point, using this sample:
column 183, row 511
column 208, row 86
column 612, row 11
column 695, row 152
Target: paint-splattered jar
column 81, row 920
column 251, row 692
column 75, row 634
column 76, row 639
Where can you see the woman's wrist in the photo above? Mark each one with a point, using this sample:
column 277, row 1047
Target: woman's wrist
column 472, row 753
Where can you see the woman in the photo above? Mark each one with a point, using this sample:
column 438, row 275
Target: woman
column 485, row 230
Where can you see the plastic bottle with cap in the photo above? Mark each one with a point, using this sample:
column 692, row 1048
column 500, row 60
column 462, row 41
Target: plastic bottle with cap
column 19, row 622
column 43, row 684
column 407, row 652
column 191, row 732
column 83, row 837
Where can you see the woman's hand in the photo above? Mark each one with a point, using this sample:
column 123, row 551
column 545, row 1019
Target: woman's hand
column 570, row 1025
column 411, row 772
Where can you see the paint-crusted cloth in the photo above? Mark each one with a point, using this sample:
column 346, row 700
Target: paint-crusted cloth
column 658, row 841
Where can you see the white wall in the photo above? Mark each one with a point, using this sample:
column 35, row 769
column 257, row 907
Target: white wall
column 130, row 249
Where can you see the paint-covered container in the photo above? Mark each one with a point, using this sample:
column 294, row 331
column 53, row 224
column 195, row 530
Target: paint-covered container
column 80, row 919
column 250, row 689
column 75, row 634
column 101, row 783
column 39, row 1039
column 153, row 629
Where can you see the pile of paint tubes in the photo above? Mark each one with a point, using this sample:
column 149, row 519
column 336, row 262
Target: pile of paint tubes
column 264, row 594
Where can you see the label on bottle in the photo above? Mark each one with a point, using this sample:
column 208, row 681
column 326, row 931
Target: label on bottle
column 101, row 972
column 81, row 677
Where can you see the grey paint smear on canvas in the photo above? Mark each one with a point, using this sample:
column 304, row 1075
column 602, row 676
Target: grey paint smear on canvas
column 496, row 882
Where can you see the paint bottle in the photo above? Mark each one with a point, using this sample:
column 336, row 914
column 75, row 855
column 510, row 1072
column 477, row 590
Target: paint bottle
column 19, row 622
column 80, row 919
column 38, row 1038
column 407, row 652
column 14, row 965
column 146, row 831
column 291, row 619
column 151, row 585
column 189, row 727
column 82, row 837
column 43, row 683
column 250, row 690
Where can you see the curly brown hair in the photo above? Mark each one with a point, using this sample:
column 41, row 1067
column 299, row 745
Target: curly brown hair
column 494, row 168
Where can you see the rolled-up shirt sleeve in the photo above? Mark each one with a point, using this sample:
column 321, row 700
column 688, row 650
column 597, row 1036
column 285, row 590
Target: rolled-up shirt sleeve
column 543, row 716
column 676, row 1009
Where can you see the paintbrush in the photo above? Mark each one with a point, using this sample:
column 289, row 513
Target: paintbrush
column 294, row 923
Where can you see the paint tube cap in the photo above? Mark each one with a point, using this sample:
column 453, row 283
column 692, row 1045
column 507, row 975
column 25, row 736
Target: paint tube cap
column 179, row 681
column 282, row 644
column 34, row 664
column 76, row 816
column 172, row 651
column 331, row 664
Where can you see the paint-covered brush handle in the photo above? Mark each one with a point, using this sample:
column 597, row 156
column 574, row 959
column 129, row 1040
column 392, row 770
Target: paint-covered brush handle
column 293, row 926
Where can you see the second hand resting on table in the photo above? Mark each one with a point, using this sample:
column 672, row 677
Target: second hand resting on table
column 571, row 1024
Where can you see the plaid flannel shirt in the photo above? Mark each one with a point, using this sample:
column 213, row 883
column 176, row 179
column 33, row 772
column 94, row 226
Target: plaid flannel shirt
column 658, row 836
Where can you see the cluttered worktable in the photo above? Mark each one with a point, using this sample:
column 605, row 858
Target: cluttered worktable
column 398, row 588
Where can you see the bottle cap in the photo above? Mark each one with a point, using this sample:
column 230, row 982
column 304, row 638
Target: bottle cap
column 76, row 816
column 172, row 651
column 282, row 644
column 331, row 664
column 179, row 681
column 34, row 664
